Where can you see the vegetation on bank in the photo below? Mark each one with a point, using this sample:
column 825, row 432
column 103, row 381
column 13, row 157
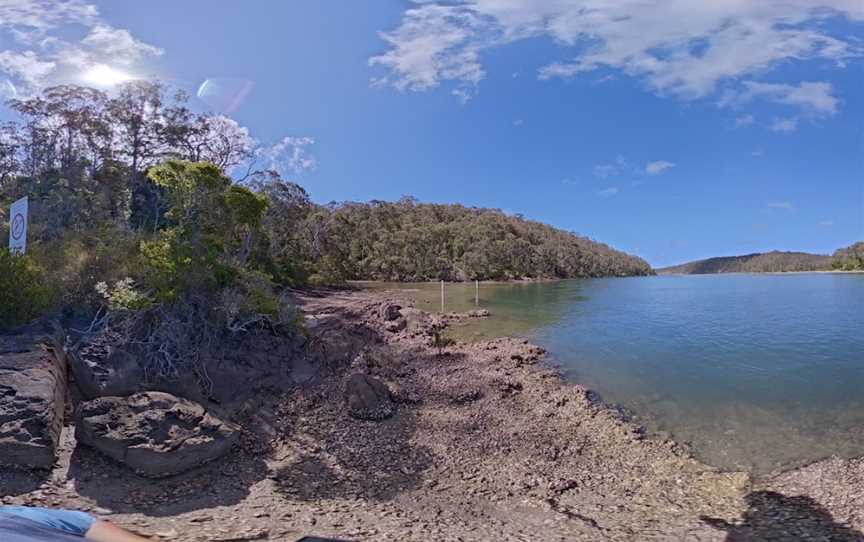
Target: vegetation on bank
column 850, row 258
column 133, row 213
column 411, row 241
column 847, row 259
column 769, row 262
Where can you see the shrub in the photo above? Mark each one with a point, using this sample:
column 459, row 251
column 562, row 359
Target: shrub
column 76, row 261
column 124, row 295
column 24, row 294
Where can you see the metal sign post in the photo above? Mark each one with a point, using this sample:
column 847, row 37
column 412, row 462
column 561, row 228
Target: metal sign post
column 18, row 226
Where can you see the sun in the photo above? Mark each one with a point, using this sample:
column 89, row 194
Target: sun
column 105, row 76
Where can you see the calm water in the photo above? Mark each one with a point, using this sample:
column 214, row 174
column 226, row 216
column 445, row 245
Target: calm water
column 756, row 372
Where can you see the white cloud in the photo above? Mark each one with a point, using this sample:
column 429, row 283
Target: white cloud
column 677, row 47
column 826, row 224
column 604, row 171
column 28, row 21
column 39, row 52
column 781, row 206
column 658, row 167
column 619, row 166
column 784, row 125
column 608, row 192
column 432, row 44
column 26, row 67
column 518, row 122
column 118, row 44
column 571, row 182
column 757, row 152
column 288, row 156
column 814, row 97
column 744, row 120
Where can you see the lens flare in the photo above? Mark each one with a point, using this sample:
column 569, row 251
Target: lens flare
column 224, row 94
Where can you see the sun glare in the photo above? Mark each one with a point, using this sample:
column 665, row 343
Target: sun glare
column 105, row 76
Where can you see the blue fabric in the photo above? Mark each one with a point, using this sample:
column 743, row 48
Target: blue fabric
column 27, row 524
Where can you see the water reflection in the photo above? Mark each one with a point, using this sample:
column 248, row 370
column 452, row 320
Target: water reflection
column 517, row 308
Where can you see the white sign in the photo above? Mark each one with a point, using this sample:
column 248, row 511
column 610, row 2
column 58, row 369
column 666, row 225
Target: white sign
column 18, row 226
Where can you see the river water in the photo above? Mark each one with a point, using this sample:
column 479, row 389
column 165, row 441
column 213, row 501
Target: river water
column 755, row 372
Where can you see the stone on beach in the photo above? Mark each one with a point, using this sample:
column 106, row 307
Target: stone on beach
column 154, row 433
column 368, row 398
column 102, row 369
column 32, row 398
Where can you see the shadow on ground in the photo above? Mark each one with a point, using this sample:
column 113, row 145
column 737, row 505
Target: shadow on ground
column 352, row 459
column 111, row 485
column 774, row 516
column 19, row 482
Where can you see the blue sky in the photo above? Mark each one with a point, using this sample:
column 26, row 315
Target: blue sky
column 675, row 130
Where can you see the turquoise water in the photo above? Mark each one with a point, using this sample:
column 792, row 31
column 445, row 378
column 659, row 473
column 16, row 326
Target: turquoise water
column 756, row 372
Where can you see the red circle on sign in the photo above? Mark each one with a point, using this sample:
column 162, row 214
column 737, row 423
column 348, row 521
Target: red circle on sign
column 17, row 227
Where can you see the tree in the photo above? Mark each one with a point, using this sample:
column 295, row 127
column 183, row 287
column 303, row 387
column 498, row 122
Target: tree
column 850, row 258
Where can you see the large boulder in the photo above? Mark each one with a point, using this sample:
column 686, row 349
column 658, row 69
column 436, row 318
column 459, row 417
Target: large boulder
column 154, row 433
column 368, row 398
column 32, row 397
column 101, row 369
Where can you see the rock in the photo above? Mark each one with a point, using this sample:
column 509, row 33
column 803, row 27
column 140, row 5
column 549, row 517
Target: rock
column 464, row 395
column 32, row 397
column 508, row 387
column 390, row 311
column 404, row 394
column 368, row 398
column 154, row 433
column 103, row 370
column 479, row 313
column 395, row 326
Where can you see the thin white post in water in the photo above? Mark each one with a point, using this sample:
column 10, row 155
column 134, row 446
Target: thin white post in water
column 442, row 297
column 476, row 293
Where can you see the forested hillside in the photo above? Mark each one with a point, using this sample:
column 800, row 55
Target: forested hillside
column 133, row 192
column 850, row 258
column 408, row 240
column 768, row 262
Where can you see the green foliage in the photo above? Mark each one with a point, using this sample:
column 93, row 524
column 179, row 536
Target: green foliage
column 850, row 258
column 407, row 240
column 124, row 295
column 212, row 231
column 24, row 294
column 769, row 262
column 246, row 206
column 76, row 261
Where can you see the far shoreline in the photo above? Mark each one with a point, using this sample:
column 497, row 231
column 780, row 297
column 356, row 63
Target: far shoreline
column 815, row 272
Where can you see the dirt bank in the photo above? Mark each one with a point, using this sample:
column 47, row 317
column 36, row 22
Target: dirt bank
column 486, row 443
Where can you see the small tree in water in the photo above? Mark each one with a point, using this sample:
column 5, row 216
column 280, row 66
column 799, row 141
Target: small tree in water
column 441, row 342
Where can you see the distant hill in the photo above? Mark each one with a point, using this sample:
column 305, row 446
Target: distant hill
column 768, row 262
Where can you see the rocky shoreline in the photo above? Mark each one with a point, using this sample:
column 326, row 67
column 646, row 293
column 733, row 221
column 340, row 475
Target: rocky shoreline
column 377, row 432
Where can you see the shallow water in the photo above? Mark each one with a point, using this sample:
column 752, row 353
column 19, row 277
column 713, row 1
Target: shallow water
column 757, row 372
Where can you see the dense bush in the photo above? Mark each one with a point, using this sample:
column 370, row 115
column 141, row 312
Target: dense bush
column 408, row 240
column 76, row 261
column 768, row 262
column 24, row 294
column 850, row 258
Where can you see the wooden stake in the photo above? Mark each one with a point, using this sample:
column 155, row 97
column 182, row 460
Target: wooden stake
column 442, row 297
column 476, row 293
